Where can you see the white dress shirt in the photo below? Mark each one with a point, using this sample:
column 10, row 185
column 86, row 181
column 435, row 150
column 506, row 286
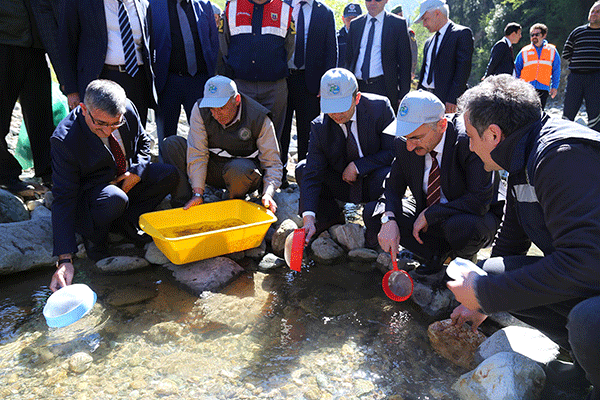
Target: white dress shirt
column 375, row 68
column 442, row 32
column 114, row 51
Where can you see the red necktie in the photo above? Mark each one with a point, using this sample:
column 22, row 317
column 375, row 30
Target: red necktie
column 433, row 184
column 115, row 149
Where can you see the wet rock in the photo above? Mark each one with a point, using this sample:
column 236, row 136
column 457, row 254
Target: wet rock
column 121, row 263
column 206, row 275
column 326, row 251
column 506, row 376
column 26, row 244
column 257, row 253
column 80, row 362
column 32, row 204
column 130, row 295
column 362, row 387
column 236, row 256
column 350, row 236
column 271, row 261
column 12, row 208
column 164, row 332
column 363, row 255
column 455, row 343
column 384, row 263
column 48, row 199
column 81, row 253
column 154, row 255
column 526, row 341
column 166, row 387
column 434, row 300
column 282, row 232
column 287, row 206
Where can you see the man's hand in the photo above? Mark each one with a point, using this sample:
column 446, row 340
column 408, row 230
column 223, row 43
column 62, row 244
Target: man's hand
column 389, row 238
column 309, row 227
column 450, row 108
column 462, row 314
column 269, row 203
column 553, row 92
column 194, row 201
column 73, row 100
column 464, row 290
column 350, row 174
column 420, row 225
column 62, row 277
column 129, row 181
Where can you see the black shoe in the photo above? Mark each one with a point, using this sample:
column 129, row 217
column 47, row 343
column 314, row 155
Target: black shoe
column 47, row 181
column 17, row 186
column 134, row 234
column 431, row 267
column 95, row 251
column 284, row 182
column 566, row 373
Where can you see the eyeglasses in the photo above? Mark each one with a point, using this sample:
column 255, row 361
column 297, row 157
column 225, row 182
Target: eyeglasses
column 107, row 125
column 535, row 34
column 375, row 0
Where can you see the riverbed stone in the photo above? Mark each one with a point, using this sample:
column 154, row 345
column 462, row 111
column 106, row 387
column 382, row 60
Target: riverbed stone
column 130, row 295
column 270, row 261
column 350, row 236
column 80, row 362
column 526, row 341
column 257, row 253
column 282, row 232
column 164, row 332
column 434, row 300
column 116, row 264
column 26, row 244
column 363, row 255
column 154, row 256
column 12, row 208
column 326, row 251
column 506, row 376
column 455, row 343
column 206, row 275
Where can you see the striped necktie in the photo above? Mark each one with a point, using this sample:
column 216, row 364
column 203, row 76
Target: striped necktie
column 131, row 66
column 434, row 188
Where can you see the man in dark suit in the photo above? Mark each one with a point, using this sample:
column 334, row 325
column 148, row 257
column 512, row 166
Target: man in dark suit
column 447, row 55
column 184, row 55
column 502, row 59
column 449, row 211
column 315, row 52
column 102, row 174
column 96, row 43
column 348, row 155
column 378, row 52
column 351, row 11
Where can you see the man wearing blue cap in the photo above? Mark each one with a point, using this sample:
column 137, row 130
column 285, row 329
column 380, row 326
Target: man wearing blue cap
column 231, row 145
column 348, row 153
column 351, row 11
column 449, row 212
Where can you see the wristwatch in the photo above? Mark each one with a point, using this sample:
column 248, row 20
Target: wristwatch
column 387, row 218
column 63, row 261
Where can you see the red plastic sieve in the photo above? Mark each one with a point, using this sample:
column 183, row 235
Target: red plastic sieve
column 294, row 249
column 397, row 284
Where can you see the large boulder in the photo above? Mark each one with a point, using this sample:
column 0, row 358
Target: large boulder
column 326, row 251
column 27, row 244
column 350, row 236
column 12, row 208
column 206, row 275
column 506, row 376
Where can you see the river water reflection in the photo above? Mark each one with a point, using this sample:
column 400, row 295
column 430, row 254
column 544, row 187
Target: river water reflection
column 328, row 332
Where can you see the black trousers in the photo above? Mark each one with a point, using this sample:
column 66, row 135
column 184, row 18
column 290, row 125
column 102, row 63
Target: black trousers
column 543, row 95
column 306, row 106
column 137, row 89
column 583, row 87
column 24, row 75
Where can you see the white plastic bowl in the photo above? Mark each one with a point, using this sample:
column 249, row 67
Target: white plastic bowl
column 69, row 304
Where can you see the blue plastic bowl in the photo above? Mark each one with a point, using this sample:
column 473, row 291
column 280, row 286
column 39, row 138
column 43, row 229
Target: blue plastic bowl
column 69, row 304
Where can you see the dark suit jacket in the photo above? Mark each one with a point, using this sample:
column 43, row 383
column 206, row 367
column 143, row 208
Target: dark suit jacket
column 84, row 41
column 396, row 55
column 160, row 37
column 466, row 185
column 80, row 162
column 327, row 146
column 47, row 14
column 321, row 46
column 452, row 65
column 342, row 38
column 501, row 60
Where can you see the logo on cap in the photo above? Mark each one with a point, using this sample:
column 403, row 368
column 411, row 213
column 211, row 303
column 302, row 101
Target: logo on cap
column 403, row 110
column 334, row 88
column 351, row 7
column 212, row 89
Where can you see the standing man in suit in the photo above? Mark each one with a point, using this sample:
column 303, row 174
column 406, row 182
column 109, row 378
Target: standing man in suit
column 256, row 40
column 315, row 53
column 447, row 55
column 351, row 11
column 107, row 39
column 102, row 174
column 502, row 59
column 348, row 155
column 184, row 45
column 378, row 52
column 449, row 211
column 24, row 75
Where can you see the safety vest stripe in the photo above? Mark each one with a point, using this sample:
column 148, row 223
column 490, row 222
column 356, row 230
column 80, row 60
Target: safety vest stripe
column 225, row 154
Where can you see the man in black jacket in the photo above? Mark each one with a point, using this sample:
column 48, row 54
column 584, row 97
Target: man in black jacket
column 502, row 59
column 552, row 201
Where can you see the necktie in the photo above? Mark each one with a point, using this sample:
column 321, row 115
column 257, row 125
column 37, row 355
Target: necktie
column 352, row 154
column 512, row 54
column 117, row 153
column 433, row 184
column 432, row 60
column 367, row 60
column 127, row 38
column 299, row 52
column 188, row 39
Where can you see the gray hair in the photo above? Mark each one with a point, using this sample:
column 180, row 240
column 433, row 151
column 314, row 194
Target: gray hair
column 105, row 95
column 502, row 100
column 444, row 9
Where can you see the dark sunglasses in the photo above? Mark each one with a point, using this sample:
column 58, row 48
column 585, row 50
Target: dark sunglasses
column 375, row 0
column 532, row 34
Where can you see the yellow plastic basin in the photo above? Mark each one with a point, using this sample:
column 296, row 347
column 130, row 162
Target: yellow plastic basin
column 207, row 230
